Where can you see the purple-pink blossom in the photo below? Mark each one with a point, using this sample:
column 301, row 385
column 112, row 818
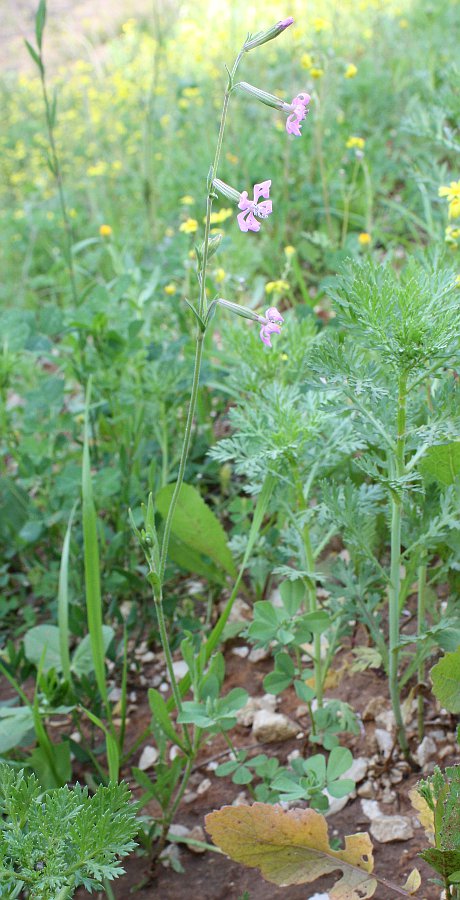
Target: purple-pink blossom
column 297, row 112
column 252, row 208
column 286, row 22
column 271, row 323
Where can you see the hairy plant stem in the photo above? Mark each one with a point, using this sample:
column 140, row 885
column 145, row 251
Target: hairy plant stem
column 421, row 610
column 302, row 501
column 395, row 576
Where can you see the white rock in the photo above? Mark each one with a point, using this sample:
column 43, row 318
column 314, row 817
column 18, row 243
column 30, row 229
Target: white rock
column 358, row 769
column 258, row 654
column 269, row 727
column 239, row 611
column 269, row 701
column 384, row 742
column 197, row 834
column 179, row 830
column 388, row 796
column 366, row 790
column 336, row 804
column 148, row 758
column 386, row 720
column 438, row 735
column 203, row 786
column 147, row 657
column 426, row 749
column 115, row 694
column 391, row 828
column 245, row 715
column 371, row 809
column 241, row 799
column 240, row 651
column 320, row 897
column 180, row 668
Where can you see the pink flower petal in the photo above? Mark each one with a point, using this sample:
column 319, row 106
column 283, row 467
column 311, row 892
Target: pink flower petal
column 262, row 190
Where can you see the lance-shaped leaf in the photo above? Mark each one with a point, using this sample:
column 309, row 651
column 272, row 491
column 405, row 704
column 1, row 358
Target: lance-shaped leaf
column 293, row 848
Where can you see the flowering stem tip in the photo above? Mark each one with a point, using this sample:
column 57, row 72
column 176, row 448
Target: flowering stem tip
column 262, row 37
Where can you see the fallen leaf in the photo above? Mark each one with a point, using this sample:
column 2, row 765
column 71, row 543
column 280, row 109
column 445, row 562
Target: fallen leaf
column 293, row 848
column 413, row 882
column 424, row 813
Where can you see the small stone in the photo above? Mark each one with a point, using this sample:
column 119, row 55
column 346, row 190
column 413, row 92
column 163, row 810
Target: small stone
column 180, row 668
column 239, row 611
column 294, row 754
column 373, row 708
column 371, row 809
column 396, row 776
column 302, row 710
column 203, row 786
column 424, row 750
column 358, row 769
column 197, row 834
column 391, row 828
column 429, row 768
column 448, row 750
column 336, row 804
column 245, row 715
column 148, row 758
column 190, row 797
column 386, row 720
column 240, row 651
column 178, row 830
column 258, row 654
column 438, row 735
column 388, row 796
column 366, row 790
column 148, row 657
column 269, row 727
column 115, row 694
column 164, row 687
column 212, row 766
column 384, row 742
column 241, row 799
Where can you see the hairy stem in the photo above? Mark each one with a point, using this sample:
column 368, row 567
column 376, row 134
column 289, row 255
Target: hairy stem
column 421, row 610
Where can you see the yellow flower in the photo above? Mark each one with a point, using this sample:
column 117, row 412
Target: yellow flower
column 284, row 357
column 306, row 61
column 364, row 239
column 105, row 230
column 232, row 158
column 289, row 251
column 454, row 209
column 320, row 24
column 169, row 232
column 457, row 281
column 355, row 142
column 351, row 70
column 403, row 23
column 165, row 120
column 221, row 216
column 183, row 103
column 170, row 288
column 189, row 226
column 219, row 275
column 276, row 287
column 452, row 235
column 316, row 73
column 452, row 191
column 187, row 200
column 191, row 92
column 128, row 26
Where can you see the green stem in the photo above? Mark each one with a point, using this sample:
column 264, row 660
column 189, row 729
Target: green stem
column 57, row 172
column 395, row 577
column 421, row 611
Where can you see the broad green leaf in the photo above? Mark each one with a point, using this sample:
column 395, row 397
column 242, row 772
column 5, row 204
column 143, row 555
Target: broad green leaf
column 82, row 659
column 59, row 773
column 15, row 723
column 292, row 594
column 445, row 676
column 35, row 642
column 195, row 524
column 442, row 462
column 339, row 762
column 293, row 848
column 446, row 862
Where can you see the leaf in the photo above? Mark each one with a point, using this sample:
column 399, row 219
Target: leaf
column 442, row 462
column 195, row 524
column 40, row 20
column 446, row 862
column 413, row 882
column 35, row 642
column 82, row 659
column 160, row 713
column 424, row 813
column 293, row 848
column 445, row 676
column 15, row 723
column 57, row 774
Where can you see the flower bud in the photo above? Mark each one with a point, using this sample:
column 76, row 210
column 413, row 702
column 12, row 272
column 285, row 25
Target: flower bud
column 226, row 190
column 268, row 99
column 263, row 36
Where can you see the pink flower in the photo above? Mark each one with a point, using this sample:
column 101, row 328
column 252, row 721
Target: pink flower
column 298, row 111
column 252, row 208
column 270, row 325
column 285, row 23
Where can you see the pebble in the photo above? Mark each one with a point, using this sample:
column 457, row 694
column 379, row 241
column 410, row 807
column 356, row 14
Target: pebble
column 358, row 769
column 180, row 668
column 371, row 809
column 373, row 708
column 438, row 735
column 240, row 651
column 148, row 758
column 269, row 727
column 241, row 799
column 391, row 828
column 426, row 749
column 197, row 834
column 388, row 796
column 366, row 790
column 203, row 786
column 258, row 654
column 386, row 720
column 245, row 716
column 336, row 804
column 384, row 742
column 239, row 611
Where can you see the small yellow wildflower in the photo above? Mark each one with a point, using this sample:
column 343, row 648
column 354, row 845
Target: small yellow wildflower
column 452, row 235
column 320, row 24
column 276, row 287
column 105, row 230
column 183, row 103
column 221, row 216
column 306, row 61
column 187, row 200
column 316, row 73
column 284, row 357
column 232, row 158
column 355, row 143
column 219, row 275
column 170, row 288
column 351, row 70
column 191, row 92
column 19, row 214
column 403, row 23
column 169, row 232
column 452, row 192
column 457, row 281
column 165, row 120
column 128, row 26
column 289, row 251
column 364, row 239
column 189, row 226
